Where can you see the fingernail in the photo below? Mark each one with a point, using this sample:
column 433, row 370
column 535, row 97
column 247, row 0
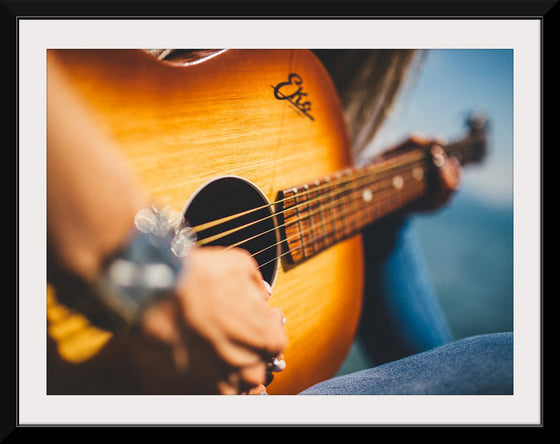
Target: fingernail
column 439, row 160
column 264, row 393
column 283, row 320
column 278, row 365
column 268, row 287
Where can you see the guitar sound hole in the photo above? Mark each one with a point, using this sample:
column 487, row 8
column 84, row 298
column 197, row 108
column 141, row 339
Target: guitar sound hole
column 227, row 196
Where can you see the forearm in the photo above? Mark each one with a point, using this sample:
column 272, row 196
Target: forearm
column 91, row 198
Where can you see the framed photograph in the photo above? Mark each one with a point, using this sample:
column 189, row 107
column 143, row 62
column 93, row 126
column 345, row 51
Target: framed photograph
column 262, row 138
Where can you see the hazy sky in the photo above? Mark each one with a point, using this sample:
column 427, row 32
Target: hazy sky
column 451, row 84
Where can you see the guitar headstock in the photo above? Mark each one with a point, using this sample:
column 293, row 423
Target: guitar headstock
column 477, row 144
column 472, row 148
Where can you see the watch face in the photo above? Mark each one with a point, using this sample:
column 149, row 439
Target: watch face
column 142, row 272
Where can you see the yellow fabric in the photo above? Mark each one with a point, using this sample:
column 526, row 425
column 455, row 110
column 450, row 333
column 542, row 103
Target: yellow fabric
column 77, row 340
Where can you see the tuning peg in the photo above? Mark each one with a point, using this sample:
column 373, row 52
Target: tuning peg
column 477, row 122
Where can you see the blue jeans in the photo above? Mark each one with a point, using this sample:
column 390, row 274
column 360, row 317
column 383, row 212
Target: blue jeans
column 401, row 313
column 406, row 335
column 479, row 365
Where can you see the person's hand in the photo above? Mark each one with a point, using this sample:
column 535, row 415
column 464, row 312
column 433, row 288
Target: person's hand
column 448, row 172
column 448, row 180
column 218, row 334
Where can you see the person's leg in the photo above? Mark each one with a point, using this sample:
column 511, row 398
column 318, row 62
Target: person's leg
column 480, row 365
column 401, row 314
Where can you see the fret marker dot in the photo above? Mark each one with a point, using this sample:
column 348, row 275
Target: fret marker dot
column 398, row 182
column 418, row 173
column 367, row 195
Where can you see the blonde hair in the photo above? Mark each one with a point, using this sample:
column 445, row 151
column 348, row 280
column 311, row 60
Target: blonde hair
column 368, row 82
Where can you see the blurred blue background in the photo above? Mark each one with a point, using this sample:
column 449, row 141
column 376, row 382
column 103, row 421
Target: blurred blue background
column 468, row 245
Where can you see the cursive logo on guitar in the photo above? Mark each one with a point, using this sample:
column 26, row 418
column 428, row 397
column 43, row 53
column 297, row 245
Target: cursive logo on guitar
column 292, row 91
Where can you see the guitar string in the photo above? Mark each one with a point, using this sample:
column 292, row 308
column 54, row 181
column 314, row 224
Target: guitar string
column 341, row 180
column 334, row 191
column 303, row 245
column 356, row 181
column 456, row 146
column 355, row 196
column 337, row 217
column 321, row 211
column 360, row 181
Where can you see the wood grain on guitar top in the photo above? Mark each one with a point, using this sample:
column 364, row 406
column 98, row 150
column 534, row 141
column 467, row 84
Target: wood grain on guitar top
column 181, row 126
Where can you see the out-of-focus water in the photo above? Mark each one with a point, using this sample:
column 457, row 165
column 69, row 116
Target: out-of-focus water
column 468, row 250
column 469, row 253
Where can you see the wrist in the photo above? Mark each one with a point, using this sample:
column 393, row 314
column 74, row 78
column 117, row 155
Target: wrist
column 80, row 239
column 142, row 271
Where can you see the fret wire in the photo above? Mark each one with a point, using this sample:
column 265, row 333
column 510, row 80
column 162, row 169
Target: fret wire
column 344, row 206
column 330, row 197
column 356, row 207
column 310, row 220
column 299, row 222
column 322, row 214
column 317, row 220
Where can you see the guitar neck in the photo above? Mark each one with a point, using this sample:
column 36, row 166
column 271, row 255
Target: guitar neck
column 324, row 212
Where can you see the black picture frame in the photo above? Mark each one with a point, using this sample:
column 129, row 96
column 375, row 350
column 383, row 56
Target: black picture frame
column 14, row 11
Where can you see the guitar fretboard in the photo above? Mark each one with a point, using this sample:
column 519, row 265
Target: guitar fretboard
column 319, row 214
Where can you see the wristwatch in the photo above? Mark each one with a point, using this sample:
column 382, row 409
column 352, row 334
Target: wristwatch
column 135, row 276
column 146, row 269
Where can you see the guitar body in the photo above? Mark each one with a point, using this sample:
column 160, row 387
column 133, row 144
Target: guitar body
column 182, row 126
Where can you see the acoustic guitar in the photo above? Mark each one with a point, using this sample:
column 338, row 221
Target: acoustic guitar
column 251, row 146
